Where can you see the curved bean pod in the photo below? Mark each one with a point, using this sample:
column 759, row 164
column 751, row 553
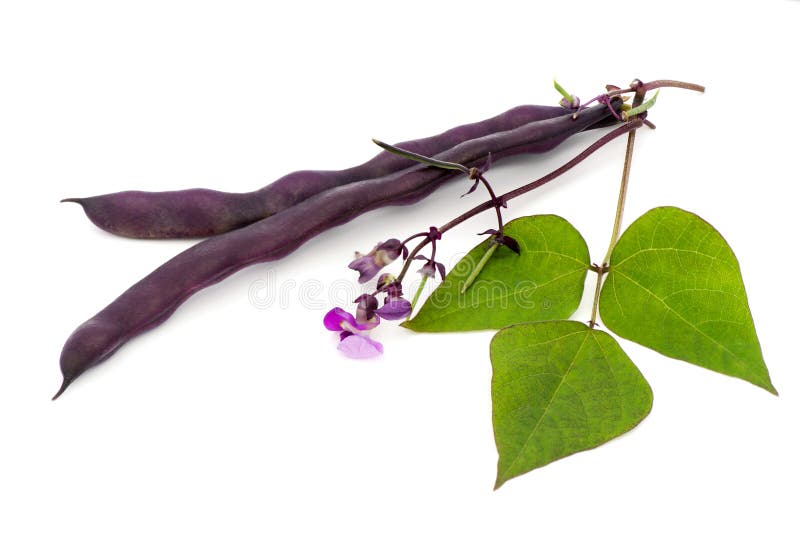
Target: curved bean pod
column 154, row 298
column 204, row 212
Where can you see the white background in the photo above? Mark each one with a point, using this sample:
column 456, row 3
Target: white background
column 233, row 431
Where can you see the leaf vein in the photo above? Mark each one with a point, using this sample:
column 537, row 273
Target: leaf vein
column 668, row 308
column 676, row 250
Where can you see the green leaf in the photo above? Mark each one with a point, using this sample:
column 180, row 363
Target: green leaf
column 544, row 282
column 674, row 286
column 560, row 387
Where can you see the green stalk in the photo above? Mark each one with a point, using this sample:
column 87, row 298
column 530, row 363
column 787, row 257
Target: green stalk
column 478, row 267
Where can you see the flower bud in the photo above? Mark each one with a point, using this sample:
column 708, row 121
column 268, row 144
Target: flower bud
column 365, row 312
column 370, row 264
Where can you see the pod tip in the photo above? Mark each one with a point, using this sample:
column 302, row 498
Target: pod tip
column 61, row 389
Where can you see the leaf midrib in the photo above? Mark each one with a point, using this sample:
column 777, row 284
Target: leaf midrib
column 547, row 407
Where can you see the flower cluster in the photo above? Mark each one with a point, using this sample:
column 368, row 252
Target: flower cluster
column 354, row 339
column 353, row 331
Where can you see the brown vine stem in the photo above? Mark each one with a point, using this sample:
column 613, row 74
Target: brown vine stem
column 655, row 84
column 601, row 270
column 623, row 192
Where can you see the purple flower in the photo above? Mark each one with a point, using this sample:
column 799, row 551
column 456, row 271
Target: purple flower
column 394, row 308
column 370, row 264
column 365, row 312
column 430, row 267
column 385, row 281
column 394, row 305
column 354, row 341
column 395, row 289
column 337, row 319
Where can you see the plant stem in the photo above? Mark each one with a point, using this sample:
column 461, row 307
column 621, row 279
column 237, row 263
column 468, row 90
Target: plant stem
column 625, row 128
column 623, row 191
column 600, row 271
column 418, row 293
column 655, row 84
column 495, row 201
column 478, row 267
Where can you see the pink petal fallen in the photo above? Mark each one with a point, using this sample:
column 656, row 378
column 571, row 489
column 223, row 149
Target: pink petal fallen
column 358, row 347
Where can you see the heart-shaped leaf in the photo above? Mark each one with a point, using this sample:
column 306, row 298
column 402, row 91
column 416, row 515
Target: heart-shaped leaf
column 674, row 285
column 559, row 387
column 545, row 281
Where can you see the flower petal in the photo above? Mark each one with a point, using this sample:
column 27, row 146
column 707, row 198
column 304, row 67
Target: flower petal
column 359, row 347
column 382, row 254
column 394, row 290
column 366, row 267
column 367, row 304
column 333, row 319
column 356, row 326
column 394, row 309
column 389, row 250
column 384, row 280
column 428, row 269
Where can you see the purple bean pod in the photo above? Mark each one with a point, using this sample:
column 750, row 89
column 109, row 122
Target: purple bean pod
column 194, row 213
column 153, row 299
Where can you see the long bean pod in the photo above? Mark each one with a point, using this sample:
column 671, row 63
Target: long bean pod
column 194, row 213
column 153, row 299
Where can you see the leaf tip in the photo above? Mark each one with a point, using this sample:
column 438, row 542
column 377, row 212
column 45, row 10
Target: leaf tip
column 771, row 388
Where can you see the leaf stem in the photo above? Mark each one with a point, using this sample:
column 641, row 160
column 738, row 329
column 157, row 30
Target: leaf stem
column 418, row 293
column 623, row 191
column 495, row 201
column 600, row 272
column 655, row 84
